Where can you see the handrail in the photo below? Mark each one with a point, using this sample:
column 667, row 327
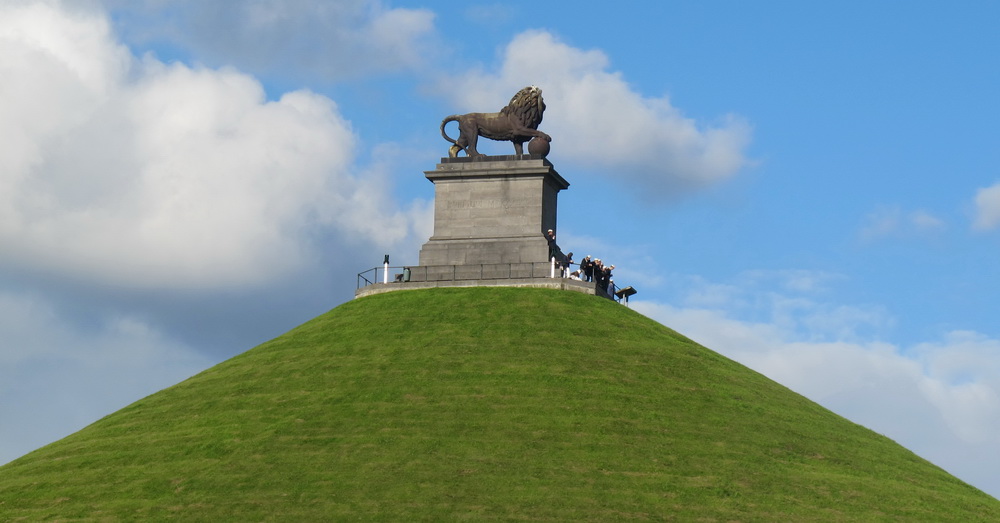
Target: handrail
column 490, row 271
column 483, row 271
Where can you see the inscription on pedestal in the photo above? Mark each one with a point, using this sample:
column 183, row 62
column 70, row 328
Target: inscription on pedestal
column 486, row 204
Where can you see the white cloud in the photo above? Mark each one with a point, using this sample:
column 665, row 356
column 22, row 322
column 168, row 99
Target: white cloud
column 987, row 203
column 892, row 221
column 969, row 364
column 788, row 299
column 139, row 173
column 596, row 119
column 330, row 40
column 926, row 222
column 491, row 14
column 881, row 223
column 940, row 399
column 62, row 376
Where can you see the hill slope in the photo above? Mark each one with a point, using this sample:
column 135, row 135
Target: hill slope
column 492, row 403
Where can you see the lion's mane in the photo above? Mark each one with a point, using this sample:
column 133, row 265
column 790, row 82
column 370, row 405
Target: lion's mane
column 526, row 106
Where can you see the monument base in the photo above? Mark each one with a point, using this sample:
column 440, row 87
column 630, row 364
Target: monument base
column 492, row 210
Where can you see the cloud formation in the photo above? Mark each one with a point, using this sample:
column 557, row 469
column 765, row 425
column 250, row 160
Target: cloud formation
column 327, row 40
column 134, row 172
column 892, row 221
column 987, row 204
column 943, row 396
column 596, row 119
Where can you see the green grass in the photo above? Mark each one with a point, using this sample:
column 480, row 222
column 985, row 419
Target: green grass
column 481, row 403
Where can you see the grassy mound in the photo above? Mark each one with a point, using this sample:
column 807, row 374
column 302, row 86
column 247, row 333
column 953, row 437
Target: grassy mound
column 481, row 403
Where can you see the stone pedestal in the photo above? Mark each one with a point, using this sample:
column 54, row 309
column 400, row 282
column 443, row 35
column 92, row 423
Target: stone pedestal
column 492, row 211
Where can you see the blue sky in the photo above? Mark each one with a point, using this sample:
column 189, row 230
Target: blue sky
column 812, row 190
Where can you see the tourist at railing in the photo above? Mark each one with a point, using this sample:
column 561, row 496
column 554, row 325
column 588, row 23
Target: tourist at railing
column 600, row 276
column 591, row 270
column 562, row 262
column 587, row 268
column 554, row 252
column 567, row 264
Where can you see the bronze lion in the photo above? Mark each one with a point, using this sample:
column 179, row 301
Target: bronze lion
column 517, row 123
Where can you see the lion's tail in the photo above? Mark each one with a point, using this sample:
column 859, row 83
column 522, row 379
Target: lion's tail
column 452, row 118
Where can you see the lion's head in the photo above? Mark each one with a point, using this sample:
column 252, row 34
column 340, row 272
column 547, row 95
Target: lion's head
column 527, row 106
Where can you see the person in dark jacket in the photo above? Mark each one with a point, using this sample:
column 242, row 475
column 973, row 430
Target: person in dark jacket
column 567, row 264
column 550, row 237
column 604, row 277
column 587, row 268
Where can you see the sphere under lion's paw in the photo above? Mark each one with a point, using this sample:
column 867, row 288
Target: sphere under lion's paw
column 539, row 146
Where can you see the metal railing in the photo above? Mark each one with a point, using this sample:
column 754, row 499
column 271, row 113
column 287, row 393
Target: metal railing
column 484, row 271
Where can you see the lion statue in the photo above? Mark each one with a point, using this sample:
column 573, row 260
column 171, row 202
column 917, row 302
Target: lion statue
column 517, row 122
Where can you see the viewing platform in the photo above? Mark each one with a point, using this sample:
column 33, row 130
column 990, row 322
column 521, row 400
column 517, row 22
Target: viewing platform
column 539, row 274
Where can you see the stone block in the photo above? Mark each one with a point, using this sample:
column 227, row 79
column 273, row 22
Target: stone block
column 493, row 210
